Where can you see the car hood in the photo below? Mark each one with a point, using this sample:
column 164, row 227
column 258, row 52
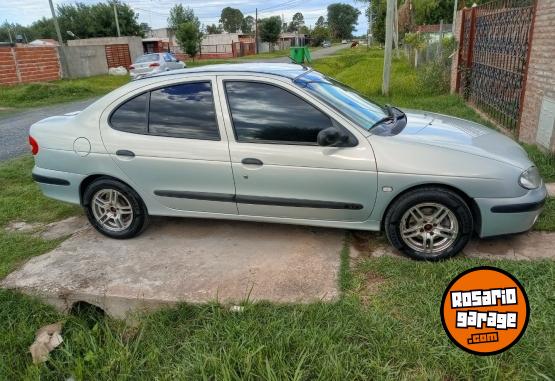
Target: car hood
column 462, row 135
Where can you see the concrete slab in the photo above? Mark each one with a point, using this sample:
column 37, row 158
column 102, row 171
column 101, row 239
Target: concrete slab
column 186, row 260
column 533, row 245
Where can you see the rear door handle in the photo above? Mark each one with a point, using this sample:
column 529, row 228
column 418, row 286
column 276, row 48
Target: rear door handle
column 125, row 152
column 251, row 161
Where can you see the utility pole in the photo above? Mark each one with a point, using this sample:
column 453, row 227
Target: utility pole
column 116, row 16
column 454, row 23
column 396, row 30
column 56, row 25
column 370, row 23
column 63, row 62
column 256, row 31
column 388, row 46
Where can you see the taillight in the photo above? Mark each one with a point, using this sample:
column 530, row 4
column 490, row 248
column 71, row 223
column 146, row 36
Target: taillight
column 154, row 64
column 34, row 145
column 131, row 67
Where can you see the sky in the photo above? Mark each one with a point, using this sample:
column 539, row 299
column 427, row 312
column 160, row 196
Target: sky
column 155, row 13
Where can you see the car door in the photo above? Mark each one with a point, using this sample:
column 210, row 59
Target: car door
column 278, row 168
column 170, row 141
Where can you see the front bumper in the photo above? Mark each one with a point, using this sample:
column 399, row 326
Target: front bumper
column 510, row 215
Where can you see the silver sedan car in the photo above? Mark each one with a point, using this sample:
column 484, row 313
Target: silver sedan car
column 283, row 143
column 153, row 63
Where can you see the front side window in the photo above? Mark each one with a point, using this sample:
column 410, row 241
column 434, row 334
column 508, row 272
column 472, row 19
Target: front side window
column 183, row 111
column 263, row 112
column 131, row 116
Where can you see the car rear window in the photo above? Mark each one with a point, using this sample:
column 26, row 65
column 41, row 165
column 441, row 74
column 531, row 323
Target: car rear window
column 147, row 58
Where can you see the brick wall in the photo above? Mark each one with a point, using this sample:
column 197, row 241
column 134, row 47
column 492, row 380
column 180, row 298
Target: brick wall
column 28, row 64
column 540, row 82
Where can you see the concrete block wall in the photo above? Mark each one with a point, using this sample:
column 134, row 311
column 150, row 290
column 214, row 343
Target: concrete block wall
column 540, row 83
column 28, row 64
column 455, row 60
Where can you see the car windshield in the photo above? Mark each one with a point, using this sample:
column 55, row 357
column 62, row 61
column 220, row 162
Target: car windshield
column 344, row 99
column 147, row 58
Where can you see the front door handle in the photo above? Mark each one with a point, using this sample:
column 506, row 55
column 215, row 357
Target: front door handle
column 251, row 161
column 125, row 152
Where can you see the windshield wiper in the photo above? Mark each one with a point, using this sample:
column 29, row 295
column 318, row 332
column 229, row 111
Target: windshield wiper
column 390, row 117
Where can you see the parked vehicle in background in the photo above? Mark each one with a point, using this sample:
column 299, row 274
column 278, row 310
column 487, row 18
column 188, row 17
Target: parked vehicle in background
column 153, row 63
column 326, row 44
column 344, row 41
column 284, row 143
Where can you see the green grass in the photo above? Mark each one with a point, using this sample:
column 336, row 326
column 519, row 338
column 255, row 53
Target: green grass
column 394, row 332
column 65, row 90
column 21, row 200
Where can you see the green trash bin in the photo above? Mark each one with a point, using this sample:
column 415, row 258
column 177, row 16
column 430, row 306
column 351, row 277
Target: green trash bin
column 299, row 54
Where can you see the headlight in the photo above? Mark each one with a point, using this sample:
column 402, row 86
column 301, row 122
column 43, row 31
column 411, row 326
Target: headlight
column 530, row 178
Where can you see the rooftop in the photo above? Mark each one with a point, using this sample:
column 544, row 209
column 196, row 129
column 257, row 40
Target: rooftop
column 284, row 70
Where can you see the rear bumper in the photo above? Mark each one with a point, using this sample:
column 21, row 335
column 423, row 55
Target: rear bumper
column 510, row 215
column 63, row 186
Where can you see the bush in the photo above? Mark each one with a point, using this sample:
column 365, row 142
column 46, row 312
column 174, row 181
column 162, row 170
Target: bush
column 435, row 77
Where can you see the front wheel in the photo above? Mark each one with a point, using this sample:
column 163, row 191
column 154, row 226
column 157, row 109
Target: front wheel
column 429, row 224
column 114, row 209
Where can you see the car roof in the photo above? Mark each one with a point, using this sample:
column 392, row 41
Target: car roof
column 284, row 70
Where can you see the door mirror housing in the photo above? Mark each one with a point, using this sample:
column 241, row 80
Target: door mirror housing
column 334, row 137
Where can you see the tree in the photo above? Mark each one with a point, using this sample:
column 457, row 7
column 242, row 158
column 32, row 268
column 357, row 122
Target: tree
column 83, row 20
column 342, row 19
column 319, row 34
column 270, row 29
column 188, row 37
column 231, row 19
column 214, row 29
column 379, row 10
column 247, row 26
column 296, row 22
column 180, row 15
column 321, row 21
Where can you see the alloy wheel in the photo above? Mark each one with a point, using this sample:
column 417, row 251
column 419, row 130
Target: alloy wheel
column 112, row 210
column 429, row 228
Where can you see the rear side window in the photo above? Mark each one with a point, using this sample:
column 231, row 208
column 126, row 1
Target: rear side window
column 184, row 111
column 264, row 113
column 131, row 116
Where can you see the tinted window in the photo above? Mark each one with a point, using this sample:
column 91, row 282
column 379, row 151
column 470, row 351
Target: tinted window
column 184, row 111
column 131, row 116
column 263, row 112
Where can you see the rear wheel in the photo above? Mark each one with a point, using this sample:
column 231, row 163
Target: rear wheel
column 114, row 209
column 429, row 224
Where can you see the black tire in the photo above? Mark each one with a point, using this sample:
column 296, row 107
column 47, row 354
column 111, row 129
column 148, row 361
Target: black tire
column 139, row 217
column 433, row 195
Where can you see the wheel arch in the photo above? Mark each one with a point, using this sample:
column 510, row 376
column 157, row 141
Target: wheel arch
column 472, row 205
column 92, row 178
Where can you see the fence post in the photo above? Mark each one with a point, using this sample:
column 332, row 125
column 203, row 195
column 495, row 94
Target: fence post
column 525, row 79
column 461, row 51
column 471, row 37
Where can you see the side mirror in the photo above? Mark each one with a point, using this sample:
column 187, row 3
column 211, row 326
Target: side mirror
column 332, row 137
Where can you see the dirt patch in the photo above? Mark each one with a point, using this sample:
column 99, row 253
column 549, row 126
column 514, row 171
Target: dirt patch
column 54, row 230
